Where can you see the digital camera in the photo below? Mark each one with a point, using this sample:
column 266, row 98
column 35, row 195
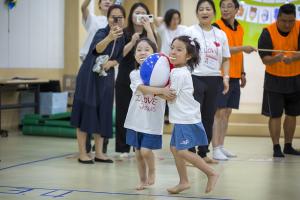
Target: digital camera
column 149, row 17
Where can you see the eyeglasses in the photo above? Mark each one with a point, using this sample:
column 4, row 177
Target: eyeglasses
column 117, row 19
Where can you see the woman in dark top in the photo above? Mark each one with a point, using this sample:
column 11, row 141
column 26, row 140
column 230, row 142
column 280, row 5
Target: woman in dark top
column 93, row 100
column 132, row 32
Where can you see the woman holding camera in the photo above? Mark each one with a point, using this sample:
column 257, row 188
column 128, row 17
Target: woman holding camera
column 92, row 24
column 137, row 27
column 93, row 99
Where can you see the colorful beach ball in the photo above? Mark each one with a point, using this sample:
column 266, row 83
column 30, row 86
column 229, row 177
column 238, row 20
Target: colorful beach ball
column 155, row 70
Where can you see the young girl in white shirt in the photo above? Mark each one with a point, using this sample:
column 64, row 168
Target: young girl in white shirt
column 145, row 117
column 184, row 113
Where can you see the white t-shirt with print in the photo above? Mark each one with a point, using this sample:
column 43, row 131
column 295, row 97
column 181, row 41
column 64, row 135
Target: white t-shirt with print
column 92, row 24
column 213, row 48
column 146, row 112
column 184, row 109
column 167, row 36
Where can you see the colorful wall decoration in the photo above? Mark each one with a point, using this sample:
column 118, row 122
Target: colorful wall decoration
column 254, row 15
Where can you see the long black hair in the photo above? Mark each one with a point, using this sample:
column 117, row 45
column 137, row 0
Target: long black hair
column 130, row 25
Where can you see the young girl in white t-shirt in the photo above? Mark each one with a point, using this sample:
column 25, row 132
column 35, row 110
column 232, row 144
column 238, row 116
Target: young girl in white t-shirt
column 145, row 117
column 184, row 113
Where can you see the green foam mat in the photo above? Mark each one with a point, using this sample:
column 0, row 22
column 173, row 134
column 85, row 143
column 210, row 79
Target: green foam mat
column 49, row 131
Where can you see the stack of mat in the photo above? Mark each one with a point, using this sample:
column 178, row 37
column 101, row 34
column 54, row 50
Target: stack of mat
column 57, row 125
column 49, row 125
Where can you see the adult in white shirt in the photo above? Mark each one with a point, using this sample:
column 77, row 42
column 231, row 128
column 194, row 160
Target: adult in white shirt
column 168, row 28
column 207, row 77
column 93, row 23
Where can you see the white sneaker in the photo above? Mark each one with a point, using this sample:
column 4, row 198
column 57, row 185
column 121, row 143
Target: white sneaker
column 218, row 154
column 124, row 155
column 227, row 153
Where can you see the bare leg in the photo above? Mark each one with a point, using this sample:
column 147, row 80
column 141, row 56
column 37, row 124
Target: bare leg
column 289, row 127
column 217, row 129
column 149, row 158
column 81, row 138
column 225, row 120
column 99, row 146
column 181, row 169
column 201, row 164
column 219, row 134
column 220, row 126
column 274, row 128
column 141, row 164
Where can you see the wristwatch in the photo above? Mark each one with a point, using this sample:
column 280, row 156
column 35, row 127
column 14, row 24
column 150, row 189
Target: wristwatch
column 243, row 73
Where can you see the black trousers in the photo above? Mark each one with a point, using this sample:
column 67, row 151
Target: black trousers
column 205, row 92
column 123, row 97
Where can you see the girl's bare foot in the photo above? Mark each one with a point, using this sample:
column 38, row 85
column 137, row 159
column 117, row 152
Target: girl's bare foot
column 179, row 188
column 209, row 160
column 211, row 182
column 151, row 178
column 141, row 186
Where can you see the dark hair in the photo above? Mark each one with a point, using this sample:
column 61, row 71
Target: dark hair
column 289, row 9
column 208, row 1
column 235, row 2
column 169, row 15
column 130, row 26
column 114, row 6
column 152, row 45
column 192, row 48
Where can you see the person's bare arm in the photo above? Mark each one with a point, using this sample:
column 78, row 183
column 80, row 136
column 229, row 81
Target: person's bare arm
column 128, row 47
column 158, row 21
column 238, row 49
column 101, row 46
column 114, row 33
column 225, row 65
column 243, row 76
column 84, row 9
column 290, row 59
column 150, row 32
column 165, row 92
column 109, row 64
column 268, row 60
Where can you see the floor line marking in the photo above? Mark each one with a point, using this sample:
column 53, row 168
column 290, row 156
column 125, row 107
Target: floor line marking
column 36, row 161
column 110, row 193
